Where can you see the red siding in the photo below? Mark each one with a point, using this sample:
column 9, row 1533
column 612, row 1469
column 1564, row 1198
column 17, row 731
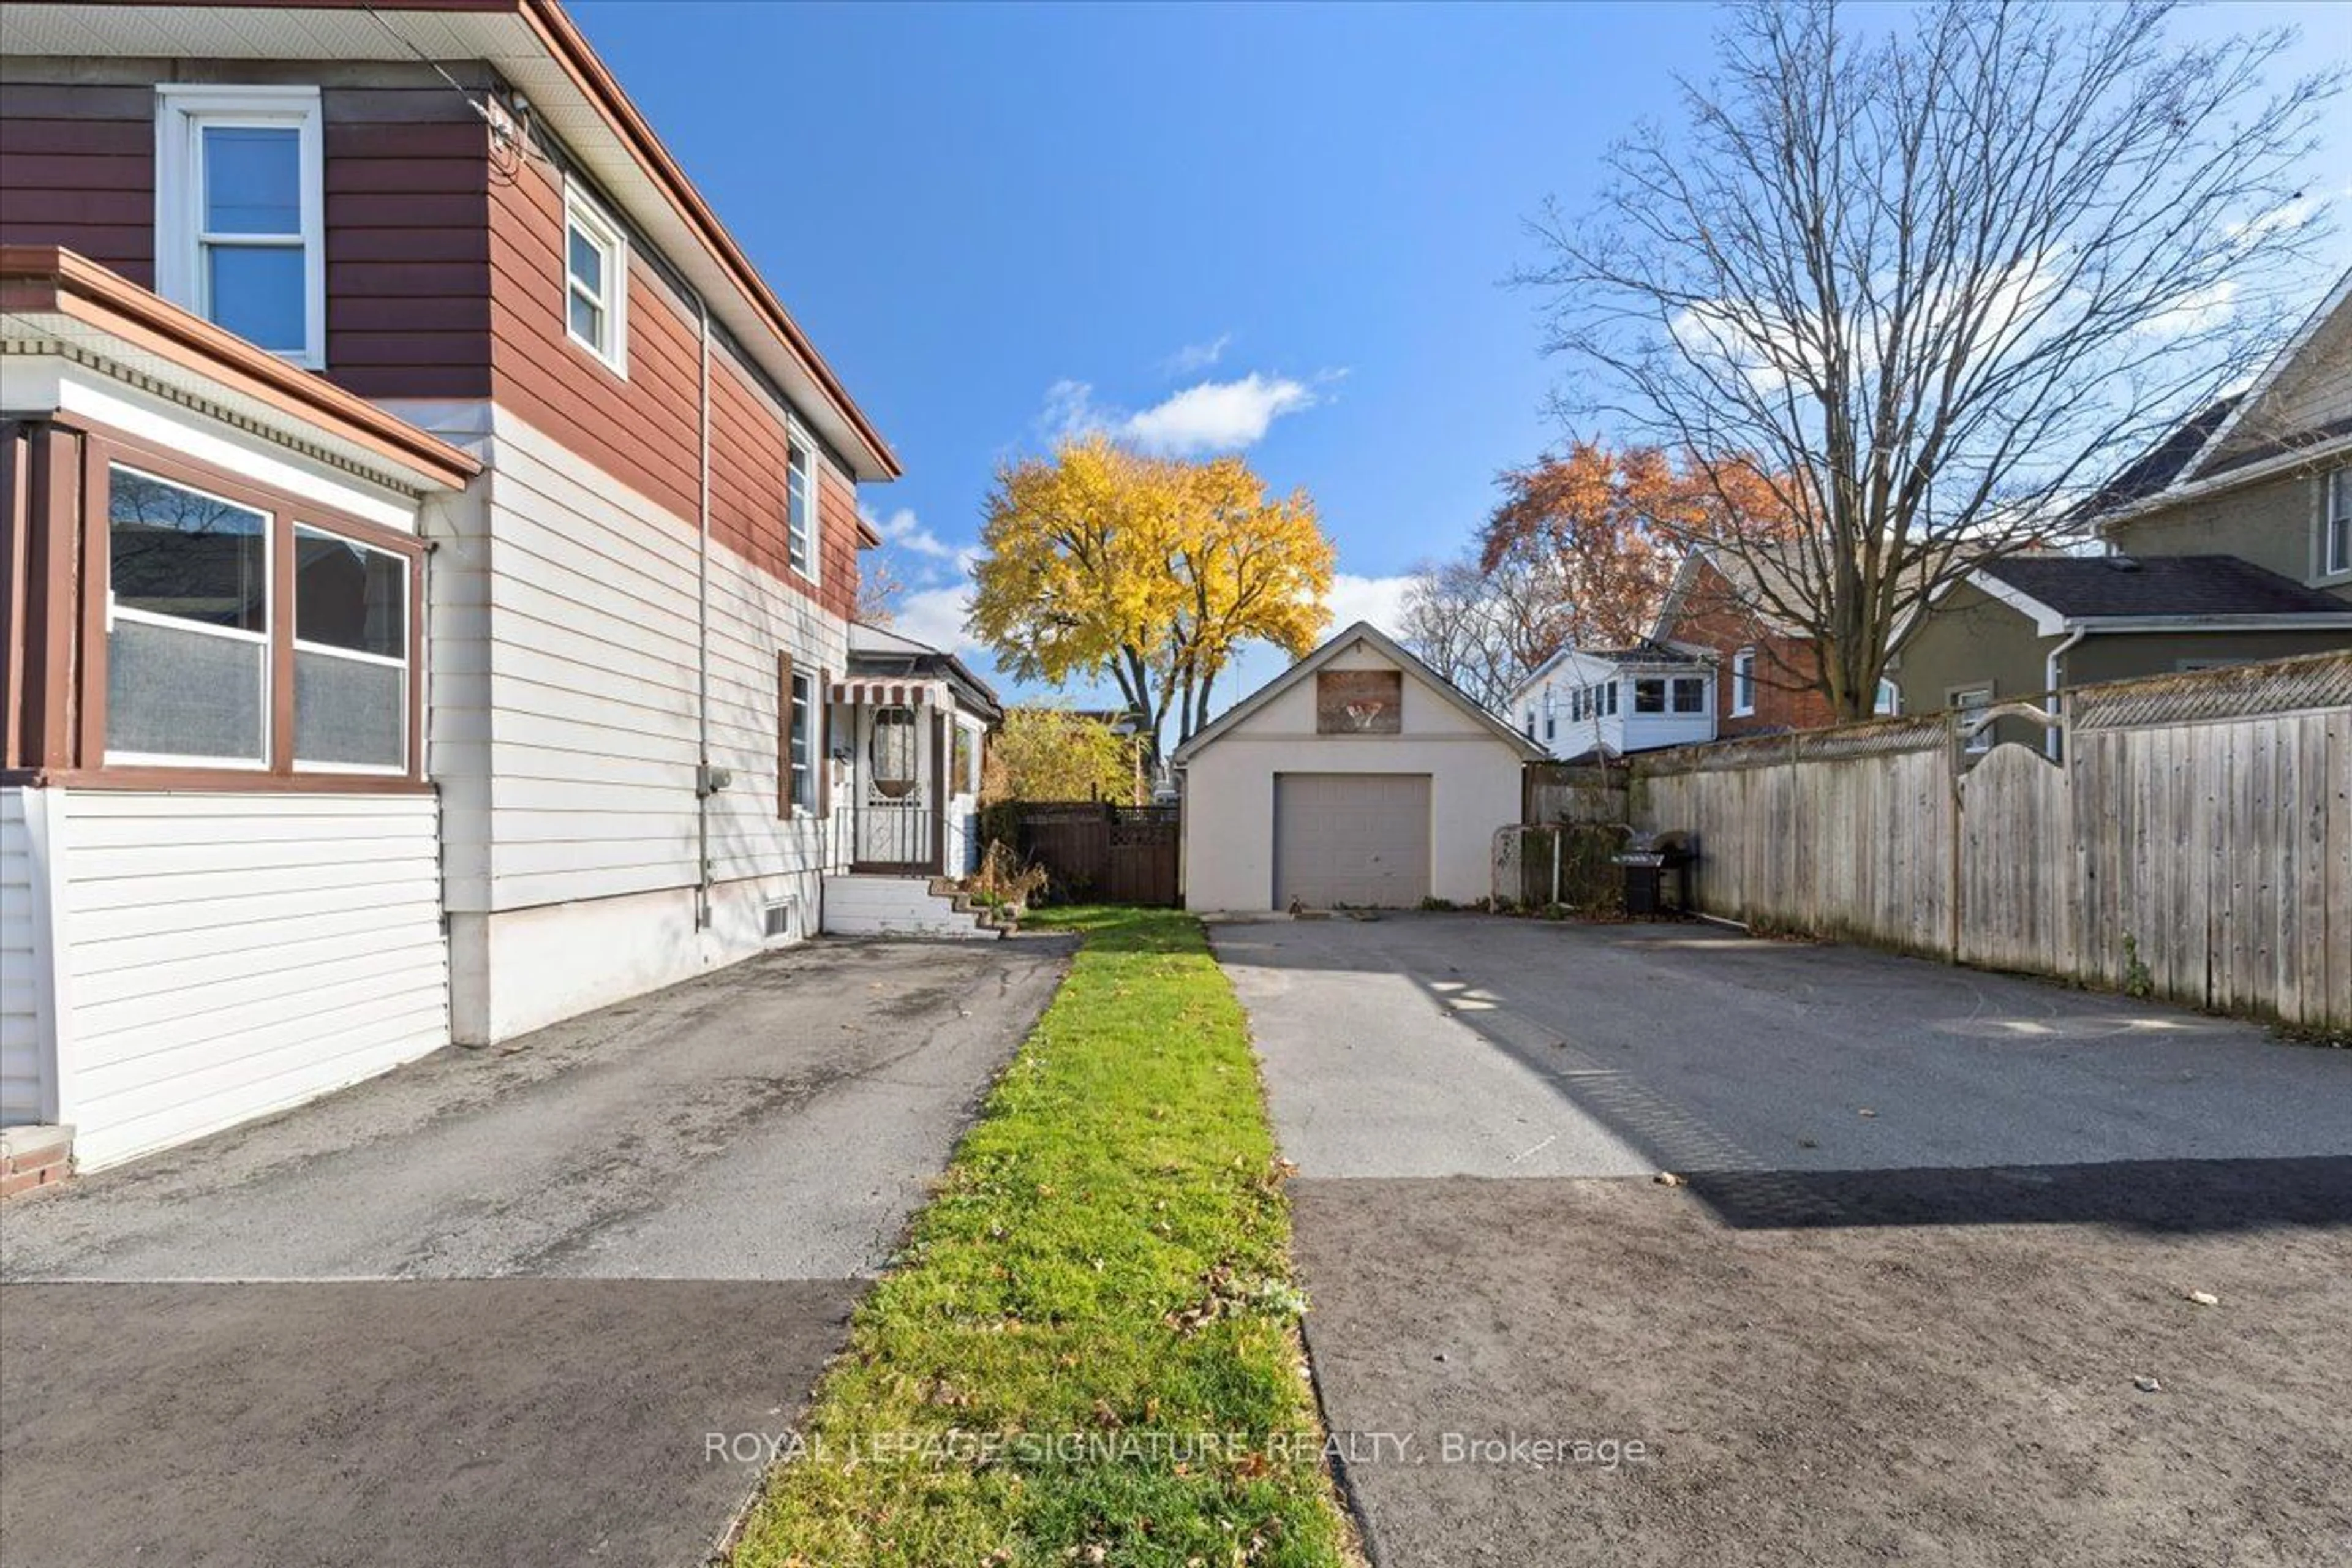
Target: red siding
column 1784, row 665
column 643, row 428
column 408, row 202
column 77, row 170
column 408, row 275
column 444, row 280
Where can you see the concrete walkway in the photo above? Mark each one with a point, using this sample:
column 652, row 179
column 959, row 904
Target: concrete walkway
column 491, row 1308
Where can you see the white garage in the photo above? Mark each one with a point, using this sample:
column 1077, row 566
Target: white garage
column 1358, row 778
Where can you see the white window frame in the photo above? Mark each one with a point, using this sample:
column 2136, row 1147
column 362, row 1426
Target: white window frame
column 264, row 639
column 1956, row 698
column 801, row 756
column 582, row 212
column 1743, row 683
column 2335, row 523
column 1888, row 698
column 1674, row 684
column 182, row 114
column 800, row 522
column 408, row 675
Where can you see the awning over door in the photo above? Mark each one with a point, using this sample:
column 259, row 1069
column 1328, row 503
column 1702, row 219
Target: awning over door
column 879, row 692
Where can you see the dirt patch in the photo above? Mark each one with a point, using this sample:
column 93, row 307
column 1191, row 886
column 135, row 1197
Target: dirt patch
column 1954, row 1372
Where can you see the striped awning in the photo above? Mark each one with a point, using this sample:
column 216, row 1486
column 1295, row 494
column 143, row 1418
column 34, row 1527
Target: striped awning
column 881, row 691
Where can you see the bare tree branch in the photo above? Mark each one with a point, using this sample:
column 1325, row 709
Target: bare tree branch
column 1928, row 286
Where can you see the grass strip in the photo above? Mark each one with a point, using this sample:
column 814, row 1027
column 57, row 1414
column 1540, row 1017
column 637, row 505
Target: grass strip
column 1100, row 1287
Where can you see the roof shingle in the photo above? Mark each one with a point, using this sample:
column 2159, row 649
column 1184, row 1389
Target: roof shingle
column 2079, row 586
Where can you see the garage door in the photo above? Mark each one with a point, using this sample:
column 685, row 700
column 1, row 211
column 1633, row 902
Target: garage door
column 1350, row 839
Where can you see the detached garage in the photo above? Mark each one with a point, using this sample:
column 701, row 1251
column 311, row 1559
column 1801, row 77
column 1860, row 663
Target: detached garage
column 1358, row 777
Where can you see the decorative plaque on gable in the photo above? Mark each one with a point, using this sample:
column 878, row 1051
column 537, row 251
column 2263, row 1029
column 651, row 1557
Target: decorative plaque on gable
column 1359, row 701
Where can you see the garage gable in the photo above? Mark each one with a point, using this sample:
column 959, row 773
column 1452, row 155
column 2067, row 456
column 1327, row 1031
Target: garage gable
column 1338, row 692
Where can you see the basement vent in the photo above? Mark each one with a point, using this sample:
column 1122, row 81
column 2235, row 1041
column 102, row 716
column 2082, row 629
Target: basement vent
column 776, row 919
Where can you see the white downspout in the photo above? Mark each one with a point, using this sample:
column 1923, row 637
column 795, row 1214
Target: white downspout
column 704, row 778
column 2050, row 737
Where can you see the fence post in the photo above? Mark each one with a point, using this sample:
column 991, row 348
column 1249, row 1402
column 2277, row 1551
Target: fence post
column 1556, row 833
column 1953, row 881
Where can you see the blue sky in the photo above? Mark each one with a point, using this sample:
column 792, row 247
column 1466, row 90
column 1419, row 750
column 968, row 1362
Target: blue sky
column 1281, row 228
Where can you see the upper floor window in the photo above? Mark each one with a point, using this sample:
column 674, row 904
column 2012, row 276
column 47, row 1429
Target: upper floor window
column 800, row 508
column 2336, row 524
column 595, row 280
column 239, row 205
column 1743, row 683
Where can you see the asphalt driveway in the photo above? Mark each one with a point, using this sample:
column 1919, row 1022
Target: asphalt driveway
column 495, row 1307
column 1930, row 1227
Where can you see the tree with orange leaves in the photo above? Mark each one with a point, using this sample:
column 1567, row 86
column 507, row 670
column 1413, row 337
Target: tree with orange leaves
column 1613, row 525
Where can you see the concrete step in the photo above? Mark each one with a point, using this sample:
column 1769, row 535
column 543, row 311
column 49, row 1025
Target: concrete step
column 904, row 906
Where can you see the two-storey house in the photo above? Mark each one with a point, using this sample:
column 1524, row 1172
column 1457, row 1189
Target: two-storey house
column 2229, row 540
column 431, row 552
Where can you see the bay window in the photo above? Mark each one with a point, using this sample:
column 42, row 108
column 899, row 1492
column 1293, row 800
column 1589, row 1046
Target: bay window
column 351, row 653
column 187, row 624
column 246, row 631
column 240, row 213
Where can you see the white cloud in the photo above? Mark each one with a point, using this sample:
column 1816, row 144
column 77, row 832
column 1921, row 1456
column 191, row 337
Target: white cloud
column 1380, row 600
column 936, row 616
column 1196, row 356
column 1218, row 416
column 902, row 530
column 1210, row 417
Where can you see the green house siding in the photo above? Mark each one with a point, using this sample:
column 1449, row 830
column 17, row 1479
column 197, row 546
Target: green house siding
column 1973, row 640
column 2121, row 655
column 2275, row 523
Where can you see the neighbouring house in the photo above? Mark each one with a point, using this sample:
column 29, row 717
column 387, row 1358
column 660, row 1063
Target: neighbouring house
column 2266, row 477
column 1357, row 777
column 431, row 551
column 1589, row 704
column 2030, row 625
column 1720, row 605
column 2230, row 540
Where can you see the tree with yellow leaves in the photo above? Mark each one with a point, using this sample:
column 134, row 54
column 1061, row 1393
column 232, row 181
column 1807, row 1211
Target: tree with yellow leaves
column 1101, row 559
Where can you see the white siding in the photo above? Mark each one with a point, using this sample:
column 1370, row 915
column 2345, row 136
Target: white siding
column 233, row 954
column 565, row 738
column 20, row 1024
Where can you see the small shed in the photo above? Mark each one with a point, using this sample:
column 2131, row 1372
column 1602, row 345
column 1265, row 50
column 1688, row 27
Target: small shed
column 1358, row 777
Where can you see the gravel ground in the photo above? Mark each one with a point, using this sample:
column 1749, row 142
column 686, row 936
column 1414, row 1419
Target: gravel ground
column 1861, row 1392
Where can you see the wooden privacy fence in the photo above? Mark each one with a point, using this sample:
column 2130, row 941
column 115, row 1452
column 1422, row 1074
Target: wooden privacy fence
column 1098, row 852
column 2193, row 842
